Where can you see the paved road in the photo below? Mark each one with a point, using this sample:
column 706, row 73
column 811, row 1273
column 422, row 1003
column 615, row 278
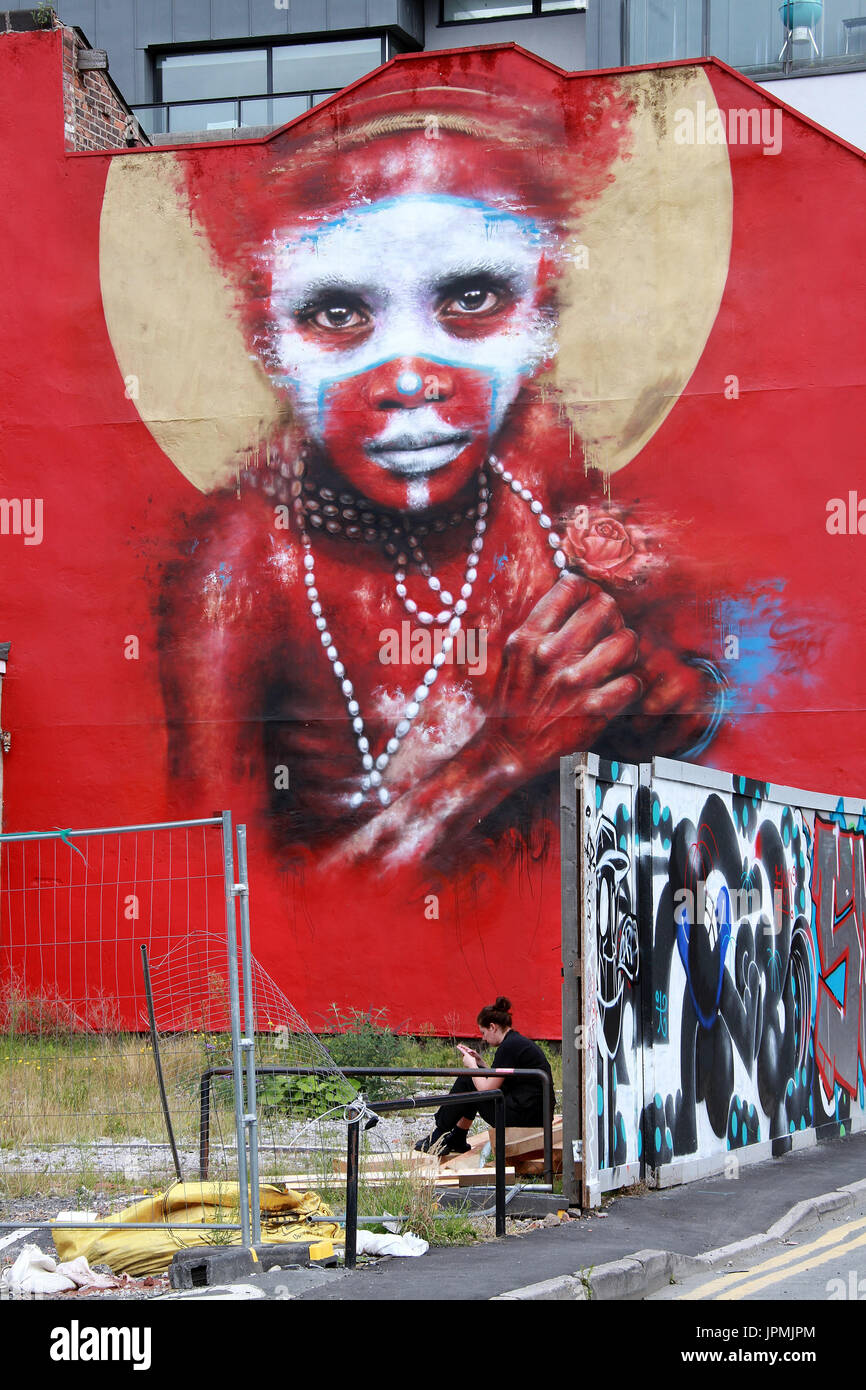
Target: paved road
column 827, row 1263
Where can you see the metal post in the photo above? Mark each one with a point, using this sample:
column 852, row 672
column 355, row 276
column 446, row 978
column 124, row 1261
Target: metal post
column 499, row 1130
column 547, row 1112
column 157, row 1061
column 235, row 1012
column 204, row 1126
column 353, row 1160
column 248, row 1042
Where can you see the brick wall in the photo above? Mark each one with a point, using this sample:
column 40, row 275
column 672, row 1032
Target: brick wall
column 94, row 117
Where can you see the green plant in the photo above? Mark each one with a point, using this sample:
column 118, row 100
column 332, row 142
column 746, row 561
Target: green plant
column 303, row 1095
column 43, row 15
column 363, row 1038
column 585, row 1277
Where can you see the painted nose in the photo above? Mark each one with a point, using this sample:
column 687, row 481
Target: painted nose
column 406, row 383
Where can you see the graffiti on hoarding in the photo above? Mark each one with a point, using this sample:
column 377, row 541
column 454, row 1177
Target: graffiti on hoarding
column 839, row 894
column 753, row 1025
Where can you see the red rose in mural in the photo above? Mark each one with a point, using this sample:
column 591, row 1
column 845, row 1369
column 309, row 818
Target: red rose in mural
column 602, row 548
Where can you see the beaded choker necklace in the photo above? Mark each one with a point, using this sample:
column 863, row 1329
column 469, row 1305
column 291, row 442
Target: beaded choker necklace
column 324, row 509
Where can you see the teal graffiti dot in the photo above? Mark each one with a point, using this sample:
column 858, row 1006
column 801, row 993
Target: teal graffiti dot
column 791, row 1127
column 811, row 1106
column 729, row 1143
column 811, row 1048
column 801, row 900
column 758, row 1135
column 639, row 1143
column 803, row 1077
column 785, row 834
column 600, row 1101
column 622, row 842
column 669, row 1139
column 742, row 782
column 790, row 1088
column 666, row 842
column 614, row 767
column 597, row 795
column 656, row 812
column 734, row 1125
column 658, row 1140
column 803, row 1122
column 614, row 1083
column 658, row 1101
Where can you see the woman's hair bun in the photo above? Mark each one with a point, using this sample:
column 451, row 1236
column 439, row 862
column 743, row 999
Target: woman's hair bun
column 503, row 1004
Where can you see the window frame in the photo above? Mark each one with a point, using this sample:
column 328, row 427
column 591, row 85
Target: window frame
column 157, row 52
column 536, row 12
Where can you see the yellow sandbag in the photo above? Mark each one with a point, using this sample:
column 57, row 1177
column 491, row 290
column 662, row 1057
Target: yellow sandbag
column 138, row 1252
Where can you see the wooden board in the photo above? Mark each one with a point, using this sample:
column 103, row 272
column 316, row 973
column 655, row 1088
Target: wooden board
column 521, row 1140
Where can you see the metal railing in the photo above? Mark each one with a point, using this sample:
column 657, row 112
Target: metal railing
column 155, row 117
column 537, row 1072
column 405, row 1103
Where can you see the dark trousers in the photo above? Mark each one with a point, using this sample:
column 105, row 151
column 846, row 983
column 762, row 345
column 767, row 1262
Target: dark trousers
column 447, row 1116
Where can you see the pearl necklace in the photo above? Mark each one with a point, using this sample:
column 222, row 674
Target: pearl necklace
column 352, row 511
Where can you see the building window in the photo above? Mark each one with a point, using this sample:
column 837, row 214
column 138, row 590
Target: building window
column 472, row 11
column 763, row 37
column 224, row 89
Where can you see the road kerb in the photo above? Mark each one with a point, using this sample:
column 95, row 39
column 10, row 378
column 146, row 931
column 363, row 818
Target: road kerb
column 635, row 1276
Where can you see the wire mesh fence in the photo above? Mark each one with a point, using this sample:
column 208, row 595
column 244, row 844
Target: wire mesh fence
column 122, row 985
column 80, row 1106
column 149, row 1064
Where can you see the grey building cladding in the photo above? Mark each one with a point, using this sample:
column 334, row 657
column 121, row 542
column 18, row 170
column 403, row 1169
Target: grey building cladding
column 134, row 31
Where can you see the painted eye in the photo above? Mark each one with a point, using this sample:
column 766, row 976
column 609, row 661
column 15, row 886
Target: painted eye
column 335, row 314
column 474, row 300
column 335, row 318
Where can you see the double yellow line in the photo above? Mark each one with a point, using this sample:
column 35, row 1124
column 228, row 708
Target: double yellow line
column 830, row 1246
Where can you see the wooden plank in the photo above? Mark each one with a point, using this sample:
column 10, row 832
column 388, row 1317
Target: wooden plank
column 485, row 1177
column 529, row 1141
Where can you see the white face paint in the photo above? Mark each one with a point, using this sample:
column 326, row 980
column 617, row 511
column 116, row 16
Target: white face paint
column 405, row 330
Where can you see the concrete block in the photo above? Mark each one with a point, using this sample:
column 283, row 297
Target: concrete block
column 205, row 1266
column 525, row 1205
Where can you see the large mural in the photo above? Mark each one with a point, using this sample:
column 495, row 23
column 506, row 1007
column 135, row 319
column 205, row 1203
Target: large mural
column 401, row 453
column 734, row 979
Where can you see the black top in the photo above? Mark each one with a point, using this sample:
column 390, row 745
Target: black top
column 524, row 1093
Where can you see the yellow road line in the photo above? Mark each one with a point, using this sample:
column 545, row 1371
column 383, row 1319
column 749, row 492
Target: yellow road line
column 776, row 1262
column 802, row 1268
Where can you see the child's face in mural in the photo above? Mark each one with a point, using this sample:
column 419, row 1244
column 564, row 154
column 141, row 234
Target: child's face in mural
column 404, row 330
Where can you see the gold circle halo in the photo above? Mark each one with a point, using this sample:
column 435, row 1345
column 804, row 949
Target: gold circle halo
column 646, row 265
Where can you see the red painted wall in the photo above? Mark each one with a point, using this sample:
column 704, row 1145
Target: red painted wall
column 742, row 485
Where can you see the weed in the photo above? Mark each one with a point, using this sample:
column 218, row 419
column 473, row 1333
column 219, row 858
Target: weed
column 303, row 1096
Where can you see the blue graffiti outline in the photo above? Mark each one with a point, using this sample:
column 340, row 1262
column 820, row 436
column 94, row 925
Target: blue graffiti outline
column 683, row 931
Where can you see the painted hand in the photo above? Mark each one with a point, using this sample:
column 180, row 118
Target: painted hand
column 566, row 673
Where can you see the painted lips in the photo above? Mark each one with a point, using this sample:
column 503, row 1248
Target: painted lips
column 412, row 455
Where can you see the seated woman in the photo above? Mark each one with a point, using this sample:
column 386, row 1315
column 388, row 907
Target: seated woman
column 523, row 1094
